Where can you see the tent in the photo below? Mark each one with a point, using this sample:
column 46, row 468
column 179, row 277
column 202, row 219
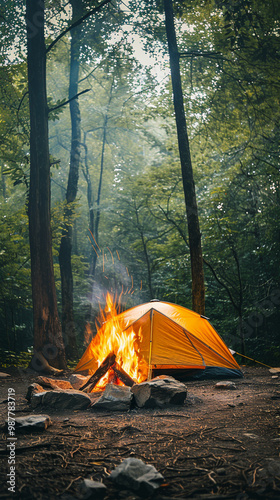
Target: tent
column 174, row 340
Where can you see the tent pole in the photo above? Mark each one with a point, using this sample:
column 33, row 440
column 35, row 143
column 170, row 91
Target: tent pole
column 150, row 347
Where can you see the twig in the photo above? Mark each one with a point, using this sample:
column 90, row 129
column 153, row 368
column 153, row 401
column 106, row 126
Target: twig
column 74, row 451
column 71, row 482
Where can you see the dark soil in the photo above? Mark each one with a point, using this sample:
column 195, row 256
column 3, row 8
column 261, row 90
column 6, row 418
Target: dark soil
column 222, row 444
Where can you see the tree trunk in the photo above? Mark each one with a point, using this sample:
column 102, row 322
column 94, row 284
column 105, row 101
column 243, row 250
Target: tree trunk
column 146, row 254
column 98, row 199
column 47, row 328
column 198, row 289
column 93, row 256
column 65, row 251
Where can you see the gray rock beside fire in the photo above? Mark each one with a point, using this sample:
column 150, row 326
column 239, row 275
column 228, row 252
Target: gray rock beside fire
column 157, row 393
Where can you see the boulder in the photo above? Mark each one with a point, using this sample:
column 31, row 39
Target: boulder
column 33, row 389
column 93, row 490
column 54, row 383
column 77, row 380
column 61, row 400
column 159, row 392
column 134, row 474
column 31, row 422
column 114, row 398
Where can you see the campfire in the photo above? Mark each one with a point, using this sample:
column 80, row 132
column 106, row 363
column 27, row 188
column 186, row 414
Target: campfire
column 116, row 352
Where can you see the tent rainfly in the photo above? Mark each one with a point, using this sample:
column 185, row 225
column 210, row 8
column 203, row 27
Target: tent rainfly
column 174, row 340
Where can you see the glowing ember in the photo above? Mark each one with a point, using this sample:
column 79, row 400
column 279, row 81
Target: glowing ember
column 111, row 338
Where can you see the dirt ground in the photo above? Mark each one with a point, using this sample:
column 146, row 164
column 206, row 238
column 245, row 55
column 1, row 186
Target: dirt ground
column 222, row 444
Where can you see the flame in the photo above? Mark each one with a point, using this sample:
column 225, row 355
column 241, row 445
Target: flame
column 111, row 338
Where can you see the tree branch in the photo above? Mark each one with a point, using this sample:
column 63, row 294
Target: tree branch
column 69, row 100
column 222, row 284
column 211, row 55
column 21, row 101
column 77, row 23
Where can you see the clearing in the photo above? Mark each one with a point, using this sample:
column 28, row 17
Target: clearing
column 222, row 444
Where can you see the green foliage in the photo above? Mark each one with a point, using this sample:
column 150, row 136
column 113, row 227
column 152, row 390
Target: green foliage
column 18, row 360
column 230, row 74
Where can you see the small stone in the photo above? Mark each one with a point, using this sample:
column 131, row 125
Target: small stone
column 31, row 422
column 4, row 375
column 93, row 490
column 114, row 398
column 274, row 370
column 134, row 474
column 250, row 435
column 221, row 471
column 225, row 385
column 231, row 405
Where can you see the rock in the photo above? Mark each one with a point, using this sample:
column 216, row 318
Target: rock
column 274, row 370
column 54, row 383
column 221, row 471
column 225, row 384
column 159, row 392
column 33, row 389
column 134, row 474
column 61, row 400
column 31, row 422
column 77, row 380
column 4, row 375
column 266, row 476
column 36, row 399
column 114, row 398
column 93, row 490
column 250, row 435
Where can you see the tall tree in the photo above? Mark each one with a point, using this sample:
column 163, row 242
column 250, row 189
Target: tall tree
column 47, row 328
column 198, row 288
column 68, row 325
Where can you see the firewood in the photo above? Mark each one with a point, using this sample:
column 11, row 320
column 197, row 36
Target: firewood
column 98, row 374
column 122, row 375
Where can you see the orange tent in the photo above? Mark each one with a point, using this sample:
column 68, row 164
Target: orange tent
column 173, row 338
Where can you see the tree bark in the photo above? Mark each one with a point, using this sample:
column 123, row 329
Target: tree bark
column 47, row 328
column 65, row 251
column 198, row 288
column 98, row 198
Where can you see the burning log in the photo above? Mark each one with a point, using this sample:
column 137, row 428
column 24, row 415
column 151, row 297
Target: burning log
column 122, row 375
column 103, row 368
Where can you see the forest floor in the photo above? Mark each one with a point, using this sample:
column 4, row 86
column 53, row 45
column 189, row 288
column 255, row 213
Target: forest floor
column 222, row 444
